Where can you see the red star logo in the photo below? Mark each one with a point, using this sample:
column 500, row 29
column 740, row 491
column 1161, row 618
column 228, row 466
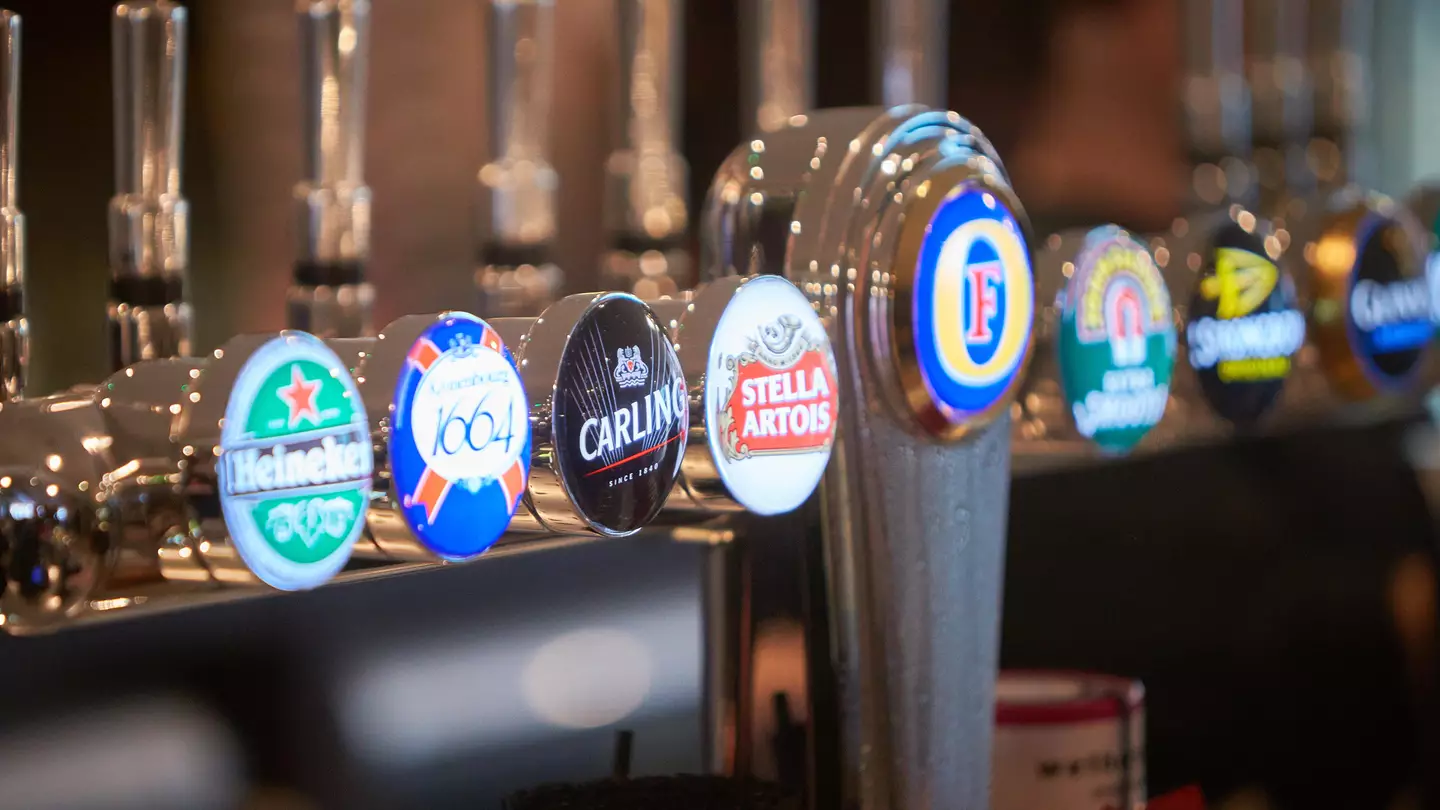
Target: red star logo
column 300, row 396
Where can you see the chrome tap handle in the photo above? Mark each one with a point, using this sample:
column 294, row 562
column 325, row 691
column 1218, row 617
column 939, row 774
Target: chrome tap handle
column 328, row 295
column 1341, row 151
column 14, row 328
column 1217, row 103
column 517, row 276
column 646, row 215
column 149, row 231
column 780, row 65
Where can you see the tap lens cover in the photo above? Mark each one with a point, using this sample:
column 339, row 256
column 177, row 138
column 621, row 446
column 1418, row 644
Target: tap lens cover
column 974, row 303
column 1244, row 327
column 620, row 415
column 459, row 438
column 1117, row 340
column 1388, row 311
column 295, row 463
column 770, row 396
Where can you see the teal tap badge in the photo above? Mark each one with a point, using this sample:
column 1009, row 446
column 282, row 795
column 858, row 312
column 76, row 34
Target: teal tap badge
column 295, row 463
column 1117, row 340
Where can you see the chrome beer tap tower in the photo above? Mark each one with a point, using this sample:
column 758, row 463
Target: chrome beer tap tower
column 14, row 328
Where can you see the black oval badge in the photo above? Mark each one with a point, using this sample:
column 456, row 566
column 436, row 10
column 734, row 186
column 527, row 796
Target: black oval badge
column 1388, row 312
column 620, row 415
column 1244, row 327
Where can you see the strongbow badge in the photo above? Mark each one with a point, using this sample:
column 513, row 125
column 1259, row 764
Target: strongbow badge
column 770, row 396
column 620, row 415
column 1117, row 340
column 295, row 464
column 460, row 437
column 1244, row 328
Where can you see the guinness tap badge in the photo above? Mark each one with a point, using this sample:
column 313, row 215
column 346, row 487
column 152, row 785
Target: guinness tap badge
column 460, row 437
column 1372, row 313
column 1244, row 327
column 620, row 415
column 1117, row 340
column 295, row 463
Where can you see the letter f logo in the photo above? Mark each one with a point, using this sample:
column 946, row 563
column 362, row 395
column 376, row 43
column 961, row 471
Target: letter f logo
column 984, row 278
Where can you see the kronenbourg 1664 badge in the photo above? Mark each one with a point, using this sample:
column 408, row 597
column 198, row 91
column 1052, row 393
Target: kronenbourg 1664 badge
column 459, row 438
column 295, row 463
column 1117, row 340
column 770, row 397
column 1244, row 327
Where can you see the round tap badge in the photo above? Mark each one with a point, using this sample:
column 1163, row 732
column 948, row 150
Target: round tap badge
column 770, row 397
column 459, row 437
column 1388, row 314
column 620, row 415
column 295, row 463
column 974, row 303
column 1244, row 328
column 1117, row 340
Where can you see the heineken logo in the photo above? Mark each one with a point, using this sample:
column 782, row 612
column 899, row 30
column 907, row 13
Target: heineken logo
column 460, row 437
column 1117, row 340
column 771, row 398
column 295, row 463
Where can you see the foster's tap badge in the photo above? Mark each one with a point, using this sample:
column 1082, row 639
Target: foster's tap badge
column 1117, row 340
column 770, row 396
column 459, row 437
column 1244, row 327
column 973, row 305
column 295, row 462
column 620, row 415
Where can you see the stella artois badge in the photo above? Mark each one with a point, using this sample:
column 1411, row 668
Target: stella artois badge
column 1117, row 340
column 460, row 437
column 771, row 398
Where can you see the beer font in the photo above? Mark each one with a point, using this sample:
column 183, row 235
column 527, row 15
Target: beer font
column 14, row 327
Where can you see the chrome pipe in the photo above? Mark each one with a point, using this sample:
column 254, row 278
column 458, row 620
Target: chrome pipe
column 1217, row 104
column 779, row 62
column 912, row 46
column 328, row 294
column 518, row 276
column 14, row 326
column 904, row 630
column 1283, row 93
column 647, row 178
column 1341, row 151
column 149, row 308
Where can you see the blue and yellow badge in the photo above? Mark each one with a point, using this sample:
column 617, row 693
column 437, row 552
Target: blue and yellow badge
column 974, row 303
column 460, row 437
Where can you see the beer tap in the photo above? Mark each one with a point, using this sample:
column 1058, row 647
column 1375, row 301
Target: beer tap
column 609, row 415
column 14, row 327
column 328, row 295
column 149, row 217
column 518, row 276
column 646, row 216
column 913, row 500
column 1282, row 91
column 912, row 39
column 779, row 66
column 1341, row 151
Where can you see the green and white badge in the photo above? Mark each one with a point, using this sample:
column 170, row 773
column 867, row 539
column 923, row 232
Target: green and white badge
column 1117, row 340
column 295, row 463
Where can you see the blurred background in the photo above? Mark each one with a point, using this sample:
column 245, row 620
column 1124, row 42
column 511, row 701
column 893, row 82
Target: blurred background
column 1277, row 596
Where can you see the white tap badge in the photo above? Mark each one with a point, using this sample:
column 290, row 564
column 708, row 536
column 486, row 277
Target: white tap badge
column 771, row 400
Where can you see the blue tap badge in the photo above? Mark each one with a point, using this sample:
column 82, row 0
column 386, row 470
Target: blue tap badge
column 460, row 437
column 1388, row 316
column 974, row 303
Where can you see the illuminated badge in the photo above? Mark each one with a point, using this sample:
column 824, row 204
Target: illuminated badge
column 460, row 437
column 974, row 303
column 295, row 463
column 1388, row 307
column 1244, row 328
column 620, row 415
column 770, row 397
column 1117, row 340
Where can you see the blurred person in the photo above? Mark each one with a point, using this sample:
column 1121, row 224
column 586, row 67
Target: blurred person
column 1082, row 98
